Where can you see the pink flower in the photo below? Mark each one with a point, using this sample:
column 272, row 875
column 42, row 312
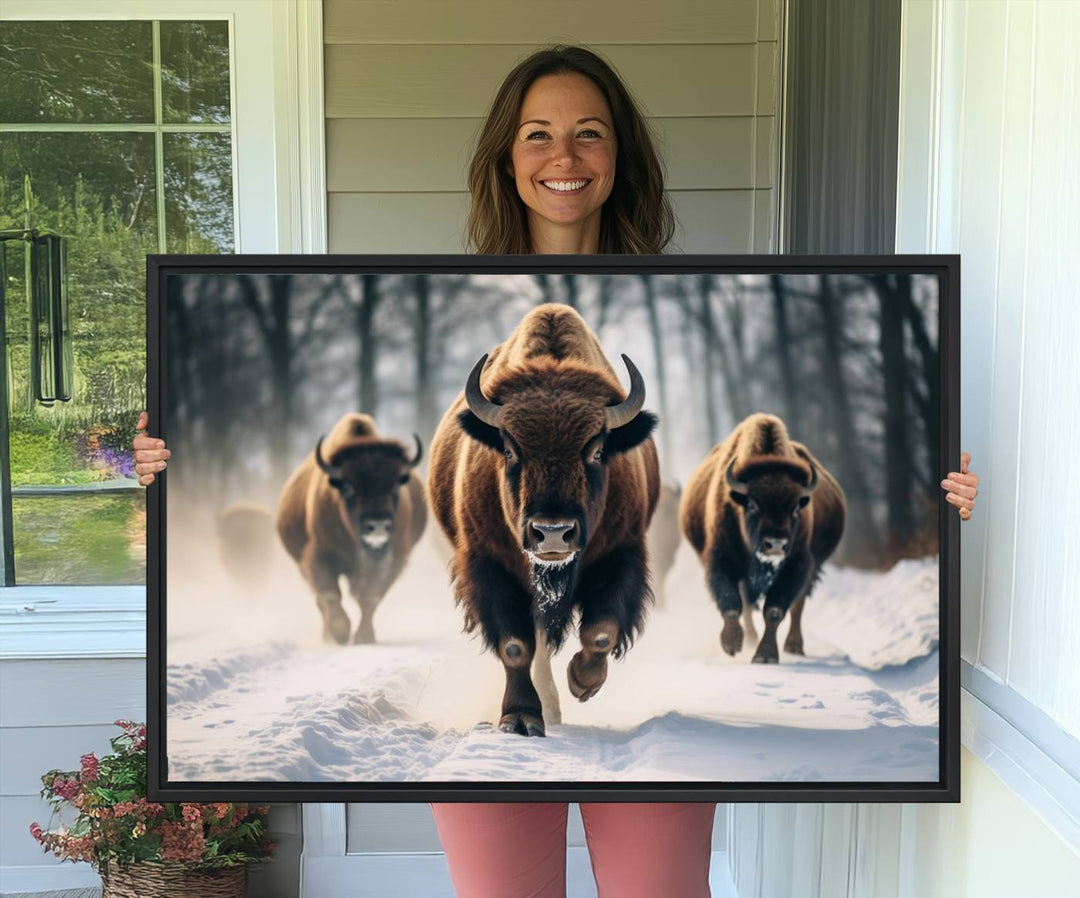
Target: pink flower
column 150, row 808
column 89, row 768
column 36, row 832
column 192, row 813
column 181, row 842
column 66, row 789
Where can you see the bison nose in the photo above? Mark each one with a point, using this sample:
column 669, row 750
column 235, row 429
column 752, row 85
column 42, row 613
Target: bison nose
column 773, row 545
column 553, row 535
column 376, row 532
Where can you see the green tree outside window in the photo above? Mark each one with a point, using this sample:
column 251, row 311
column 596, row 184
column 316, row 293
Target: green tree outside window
column 118, row 136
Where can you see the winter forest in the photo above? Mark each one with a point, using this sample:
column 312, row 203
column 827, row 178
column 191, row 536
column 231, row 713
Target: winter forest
column 258, row 366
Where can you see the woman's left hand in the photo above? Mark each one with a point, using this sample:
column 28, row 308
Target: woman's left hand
column 962, row 487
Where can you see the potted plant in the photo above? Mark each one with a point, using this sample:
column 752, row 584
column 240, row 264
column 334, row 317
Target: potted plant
column 141, row 847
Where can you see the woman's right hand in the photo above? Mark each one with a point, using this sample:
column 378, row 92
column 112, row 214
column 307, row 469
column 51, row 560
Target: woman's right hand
column 150, row 453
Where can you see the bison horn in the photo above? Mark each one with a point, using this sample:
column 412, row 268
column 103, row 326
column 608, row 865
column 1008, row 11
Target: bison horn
column 736, row 485
column 625, row 411
column 415, row 460
column 331, row 470
column 487, row 411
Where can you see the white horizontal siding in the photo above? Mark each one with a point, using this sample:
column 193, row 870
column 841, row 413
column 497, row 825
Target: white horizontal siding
column 449, row 80
column 478, row 22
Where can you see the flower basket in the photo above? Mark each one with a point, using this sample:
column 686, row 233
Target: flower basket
column 174, row 881
column 144, row 848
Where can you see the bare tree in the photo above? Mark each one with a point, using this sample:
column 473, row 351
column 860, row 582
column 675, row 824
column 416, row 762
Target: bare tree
column 789, row 384
column 898, row 459
column 862, row 529
column 656, row 335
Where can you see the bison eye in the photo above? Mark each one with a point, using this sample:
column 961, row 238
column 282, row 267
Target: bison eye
column 598, row 455
column 509, row 453
column 404, row 478
column 751, row 506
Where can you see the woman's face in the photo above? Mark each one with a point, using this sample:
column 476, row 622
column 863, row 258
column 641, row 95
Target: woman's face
column 563, row 154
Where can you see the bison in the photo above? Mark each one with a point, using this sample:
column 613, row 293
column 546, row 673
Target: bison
column 763, row 515
column 664, row 539
column 544, row 477
column 245, row 533
column 353, row 508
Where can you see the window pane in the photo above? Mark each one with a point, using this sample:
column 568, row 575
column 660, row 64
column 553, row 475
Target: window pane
column 81, row 540
column 195, row 71
column 98, row 191
column 76, row 72
column 198, row 193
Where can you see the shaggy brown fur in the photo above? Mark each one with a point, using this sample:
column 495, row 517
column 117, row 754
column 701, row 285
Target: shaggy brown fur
column 319, row 525
column 777, row 471
column 553, row 382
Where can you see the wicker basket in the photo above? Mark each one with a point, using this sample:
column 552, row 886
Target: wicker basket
column 148, row 880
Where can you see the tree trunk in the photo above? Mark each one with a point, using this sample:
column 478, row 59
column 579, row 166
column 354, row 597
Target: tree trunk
column 365, row 332
column 898, row 461
column 656, row 335
column 714, row 344
column 928, row 406
column 708, row 333
column 425, row 389
column 280, row 346
column 788, row 382
column 862, row 532
column 571, row 283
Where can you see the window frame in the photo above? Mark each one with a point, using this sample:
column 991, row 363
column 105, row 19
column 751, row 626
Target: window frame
column 283, row 149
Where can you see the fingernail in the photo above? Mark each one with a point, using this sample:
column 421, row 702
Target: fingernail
column 168, row 453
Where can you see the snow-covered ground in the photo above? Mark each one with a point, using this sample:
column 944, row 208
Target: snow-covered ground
column 254, row 694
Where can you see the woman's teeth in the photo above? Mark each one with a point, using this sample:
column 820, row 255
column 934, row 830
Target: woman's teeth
column 564, row 186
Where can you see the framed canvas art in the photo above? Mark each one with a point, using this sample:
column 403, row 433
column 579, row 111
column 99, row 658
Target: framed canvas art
column 581, row 528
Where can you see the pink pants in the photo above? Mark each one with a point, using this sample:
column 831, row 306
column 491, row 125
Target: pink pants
column 500, row 850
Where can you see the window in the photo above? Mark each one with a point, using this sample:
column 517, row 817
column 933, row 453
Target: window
column 118, row 136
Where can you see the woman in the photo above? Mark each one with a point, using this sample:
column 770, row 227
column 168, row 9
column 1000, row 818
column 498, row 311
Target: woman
column 565, row 164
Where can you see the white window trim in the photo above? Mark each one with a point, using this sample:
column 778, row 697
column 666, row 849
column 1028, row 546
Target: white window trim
column 280, row 207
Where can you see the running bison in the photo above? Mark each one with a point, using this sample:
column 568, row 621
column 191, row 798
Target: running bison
column 245, row 533
column 544, row 477
column 663, row 540
column 764, row 515
column 354, row 508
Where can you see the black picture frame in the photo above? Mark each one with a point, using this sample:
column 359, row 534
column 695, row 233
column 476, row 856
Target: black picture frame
column 947, row 789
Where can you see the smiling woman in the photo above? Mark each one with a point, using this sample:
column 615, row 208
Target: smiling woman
column 563, row 161
column 560, row 118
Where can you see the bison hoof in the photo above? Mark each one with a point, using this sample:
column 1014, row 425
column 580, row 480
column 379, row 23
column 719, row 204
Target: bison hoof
column 586, row 676
column 795, row 647
column 364, row 637
column 523, row 723
column 731, row 637
column 766, row 656
column 336, row 628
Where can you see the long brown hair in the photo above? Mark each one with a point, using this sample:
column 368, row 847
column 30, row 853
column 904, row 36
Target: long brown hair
column 637, row 216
